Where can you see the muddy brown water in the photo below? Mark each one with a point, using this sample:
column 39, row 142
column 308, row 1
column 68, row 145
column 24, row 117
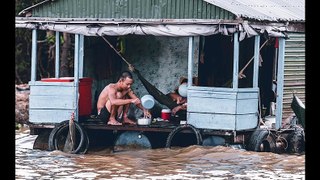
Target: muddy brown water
column 194, row 162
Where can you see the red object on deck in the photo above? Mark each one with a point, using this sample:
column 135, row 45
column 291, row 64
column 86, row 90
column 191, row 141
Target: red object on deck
column 85, row 84
column 165, row 114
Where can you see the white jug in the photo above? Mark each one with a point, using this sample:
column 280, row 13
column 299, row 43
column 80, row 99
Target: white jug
column 147, row 101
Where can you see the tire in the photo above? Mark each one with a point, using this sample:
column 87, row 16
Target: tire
column 58, row 137
column 296, row 141
column 85, row 145
column 179, row 129
column 262, row 140
column 53, row 134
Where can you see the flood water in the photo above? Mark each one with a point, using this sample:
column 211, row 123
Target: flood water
column 194, row 162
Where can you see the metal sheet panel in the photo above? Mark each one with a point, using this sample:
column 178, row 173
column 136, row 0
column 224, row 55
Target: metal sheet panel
column 212, row 121
column 146, row 9
column 294, row 71
column 272, row 10
column 222, row 108
column 51, row 102
column 49, row 115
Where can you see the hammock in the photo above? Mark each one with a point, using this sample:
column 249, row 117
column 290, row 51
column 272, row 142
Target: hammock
column 156, row 93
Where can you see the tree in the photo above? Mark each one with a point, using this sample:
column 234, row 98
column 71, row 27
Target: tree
column 46, row 51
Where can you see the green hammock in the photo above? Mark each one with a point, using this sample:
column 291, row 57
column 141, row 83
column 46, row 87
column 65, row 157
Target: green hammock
column 156, row 93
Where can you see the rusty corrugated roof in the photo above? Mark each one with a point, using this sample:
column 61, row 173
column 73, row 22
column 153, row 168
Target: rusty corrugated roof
column 264, row 10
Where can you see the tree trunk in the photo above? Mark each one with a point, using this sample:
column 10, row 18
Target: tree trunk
column 64, row 68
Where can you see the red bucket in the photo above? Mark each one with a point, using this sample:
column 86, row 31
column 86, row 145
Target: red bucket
column 165, row 114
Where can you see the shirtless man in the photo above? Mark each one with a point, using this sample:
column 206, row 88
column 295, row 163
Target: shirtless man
column 115, row 98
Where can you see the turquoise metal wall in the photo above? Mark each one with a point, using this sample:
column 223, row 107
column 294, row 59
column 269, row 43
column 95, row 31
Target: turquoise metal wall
column 294, row 71
column 145, row 9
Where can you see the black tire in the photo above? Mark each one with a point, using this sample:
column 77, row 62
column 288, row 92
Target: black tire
column 296, row 141
column 262, row 140
column 59, row 134
column 179, row 129
column 53, row 134
column 85, row 145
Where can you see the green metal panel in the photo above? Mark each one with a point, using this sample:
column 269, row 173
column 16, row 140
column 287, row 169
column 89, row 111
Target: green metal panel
column 294, row 71
column 144, row 9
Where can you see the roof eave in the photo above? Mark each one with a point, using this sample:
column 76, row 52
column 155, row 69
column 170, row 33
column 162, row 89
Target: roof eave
column 123, row 21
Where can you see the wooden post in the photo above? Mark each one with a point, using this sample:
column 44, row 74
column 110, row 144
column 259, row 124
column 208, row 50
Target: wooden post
column 235, row 60
column 34, row 56
column 256, row 61
column 280, row 82
column 76, row 76
column 57, row 59
column 190, row 60
column 81, row 53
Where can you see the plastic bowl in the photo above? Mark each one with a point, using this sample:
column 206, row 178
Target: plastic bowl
column 144, row 121
column 147, row 101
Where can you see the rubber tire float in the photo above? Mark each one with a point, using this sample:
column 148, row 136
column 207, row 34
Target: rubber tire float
column 262, row 140
column 296, row 141
column 181, row 128
column 59, row 133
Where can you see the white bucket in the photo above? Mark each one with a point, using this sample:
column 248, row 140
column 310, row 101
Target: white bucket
column 183, row 90
column 269, row 121
column 147, row 101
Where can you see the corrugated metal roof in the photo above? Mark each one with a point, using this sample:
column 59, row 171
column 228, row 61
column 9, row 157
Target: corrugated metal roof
column 128, row 9
column 270, row 10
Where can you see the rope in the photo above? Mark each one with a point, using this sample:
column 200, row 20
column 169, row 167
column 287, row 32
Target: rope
column 72, row 131
column 241, row 71
column 116, row 51
column 240, row 74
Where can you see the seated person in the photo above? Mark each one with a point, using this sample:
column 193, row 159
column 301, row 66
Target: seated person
column 178, row 98
column 179, row 95
column 115, row 98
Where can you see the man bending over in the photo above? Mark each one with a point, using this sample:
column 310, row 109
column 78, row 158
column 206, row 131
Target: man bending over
column 115, row 99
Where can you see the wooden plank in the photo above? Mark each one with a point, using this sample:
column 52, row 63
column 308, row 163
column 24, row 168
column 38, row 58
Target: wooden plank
column 248, row 95
column 64, row 81
column 246, row 121
column 47, row 89
column 211, row 89
column 49, row 115
column 208, row 94
column 245, row 106
column 211, row 105
column 51, row 102
column 212, row 121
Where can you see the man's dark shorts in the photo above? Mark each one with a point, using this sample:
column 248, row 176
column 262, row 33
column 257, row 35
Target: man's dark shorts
column 104, row 115
column 180, row 115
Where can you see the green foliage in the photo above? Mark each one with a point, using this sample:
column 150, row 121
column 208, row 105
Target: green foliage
column 22, row 55
column 23, row 46
column 22, row 4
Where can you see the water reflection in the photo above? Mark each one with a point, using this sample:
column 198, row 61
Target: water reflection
column 195, row 162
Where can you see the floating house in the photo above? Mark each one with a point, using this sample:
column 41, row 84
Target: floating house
column 246, row 56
